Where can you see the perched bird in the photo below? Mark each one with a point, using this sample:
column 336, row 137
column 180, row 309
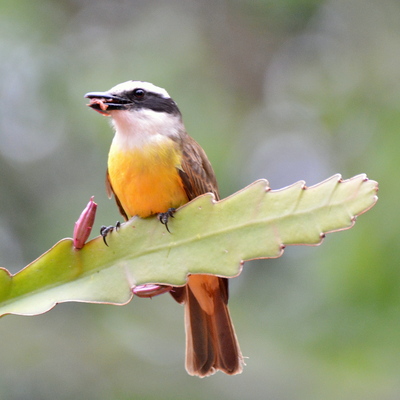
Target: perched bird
column 154, row 167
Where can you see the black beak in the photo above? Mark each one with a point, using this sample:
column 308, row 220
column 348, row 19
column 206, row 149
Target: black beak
column 103, row 101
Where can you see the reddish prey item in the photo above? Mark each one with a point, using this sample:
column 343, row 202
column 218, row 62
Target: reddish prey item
column 101, row 103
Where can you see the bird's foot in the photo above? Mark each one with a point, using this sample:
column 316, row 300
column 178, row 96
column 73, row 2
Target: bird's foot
column 164, row 217
column 105, row 230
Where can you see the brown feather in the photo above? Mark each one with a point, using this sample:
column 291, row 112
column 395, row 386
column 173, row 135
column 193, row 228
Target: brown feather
column 111, row 192
column 196, row 172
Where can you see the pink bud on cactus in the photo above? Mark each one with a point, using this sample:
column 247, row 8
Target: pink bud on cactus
column 83, row 226
column 150, row 290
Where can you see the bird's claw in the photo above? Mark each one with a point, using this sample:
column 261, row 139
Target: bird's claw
column 105, row 230
column 164, row 217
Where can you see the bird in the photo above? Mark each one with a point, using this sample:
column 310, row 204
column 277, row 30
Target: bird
column 154, row 167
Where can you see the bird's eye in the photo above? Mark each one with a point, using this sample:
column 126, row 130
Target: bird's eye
column 139, row 93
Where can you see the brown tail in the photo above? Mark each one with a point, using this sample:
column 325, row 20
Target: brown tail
column 211, row 342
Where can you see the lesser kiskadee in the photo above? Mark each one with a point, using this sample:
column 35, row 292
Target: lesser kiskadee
column 153, row 166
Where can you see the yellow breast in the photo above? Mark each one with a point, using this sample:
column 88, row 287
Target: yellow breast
column 146, row 179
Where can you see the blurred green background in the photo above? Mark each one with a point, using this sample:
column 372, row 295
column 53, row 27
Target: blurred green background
column 277, row 89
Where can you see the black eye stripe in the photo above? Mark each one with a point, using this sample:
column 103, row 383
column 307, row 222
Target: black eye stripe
column 139, row 98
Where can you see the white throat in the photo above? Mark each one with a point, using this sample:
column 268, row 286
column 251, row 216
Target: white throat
column 138, row 127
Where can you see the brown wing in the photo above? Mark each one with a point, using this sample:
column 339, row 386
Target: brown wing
column 198, row 177
column 110, row 192
column 196, row 171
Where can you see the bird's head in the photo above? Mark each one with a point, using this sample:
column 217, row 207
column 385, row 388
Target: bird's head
column 132, row 96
